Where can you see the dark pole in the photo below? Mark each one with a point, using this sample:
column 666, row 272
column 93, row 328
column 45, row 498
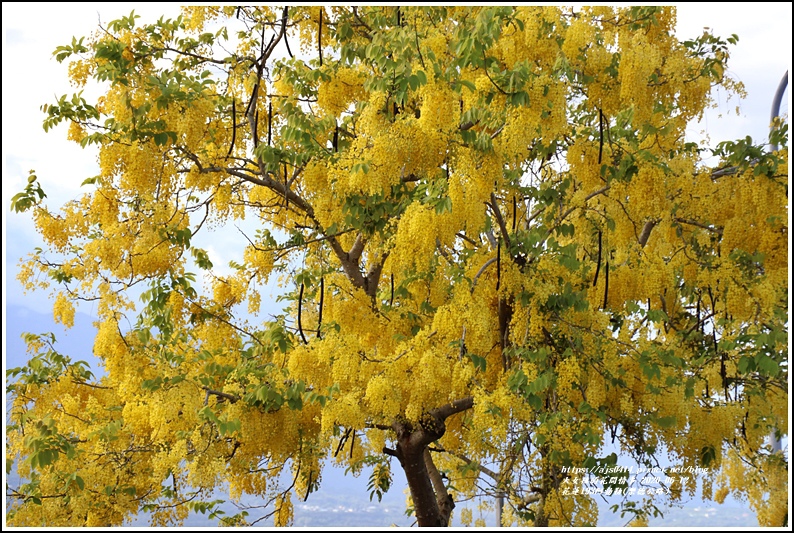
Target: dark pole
column 781, row 89
column 774, row 441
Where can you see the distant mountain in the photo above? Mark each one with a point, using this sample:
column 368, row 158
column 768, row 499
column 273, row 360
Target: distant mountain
column 76, row 342
column 341, row 501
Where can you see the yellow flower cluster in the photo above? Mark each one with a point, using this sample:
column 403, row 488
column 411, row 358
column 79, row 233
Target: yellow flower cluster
column 79, row 72
column 436, row 339
column 346, row 87
column 382, row 397
column 283, row 516
column 569, row 379
column 227, row 292
column 63, row 310
column 197, row 16
column 308, row 26
column 416, row 241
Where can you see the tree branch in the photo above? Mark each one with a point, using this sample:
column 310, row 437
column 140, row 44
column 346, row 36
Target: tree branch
column 467, row 239
column 479, row 272
column 445, row 501
column 586, row 198
column 373, row 275
column 715, row 229
column 500, row 220
column 491, row 239
column 201, row 58
column 646, row 232
column 361, row 21
column 457, row 406
column 225, row 395
column 358, row 246
column 484, row 469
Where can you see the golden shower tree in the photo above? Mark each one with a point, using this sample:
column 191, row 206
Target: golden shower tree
column 498, row 254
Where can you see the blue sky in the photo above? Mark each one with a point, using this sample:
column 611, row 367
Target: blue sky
column 31, row 77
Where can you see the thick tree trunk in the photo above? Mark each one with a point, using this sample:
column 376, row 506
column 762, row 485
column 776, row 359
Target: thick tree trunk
column 432, row 504
column 426, row 507
column 541, row 519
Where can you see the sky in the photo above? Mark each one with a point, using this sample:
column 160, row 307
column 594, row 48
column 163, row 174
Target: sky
column 32, row 77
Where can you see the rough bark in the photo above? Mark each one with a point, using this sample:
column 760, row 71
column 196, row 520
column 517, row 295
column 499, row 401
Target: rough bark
column 432, row 504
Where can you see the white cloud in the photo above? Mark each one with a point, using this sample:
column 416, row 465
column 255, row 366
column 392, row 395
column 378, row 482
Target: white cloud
column 31, row 77
column 760, row 59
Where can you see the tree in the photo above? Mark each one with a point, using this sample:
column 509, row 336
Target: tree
column 498, row 255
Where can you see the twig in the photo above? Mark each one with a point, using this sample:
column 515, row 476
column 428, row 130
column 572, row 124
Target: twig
column 269, row 121
column 586, row 198
column 467, row 239
column 322, row 296
column 598, row 266
column 600, row 136
column 231, row 397
column 320, row 36
column 500, row 220
column 498, row 264
column 300, row 305
column 234, row 128
column 606, row 285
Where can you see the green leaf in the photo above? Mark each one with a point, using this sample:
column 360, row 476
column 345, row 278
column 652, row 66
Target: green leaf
column 468, row 84
column 708, row 454
column 143, row 336
column 767, row 365
column 571, row 263
column 479, row 362
column 517, row 380
column 152, row 384
column 566, row 230
column 444, row 205
column 295, row 403
column 746, row 364
column 44, row 458
column 206, row 413
column 666, row 421
column 535, row 401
